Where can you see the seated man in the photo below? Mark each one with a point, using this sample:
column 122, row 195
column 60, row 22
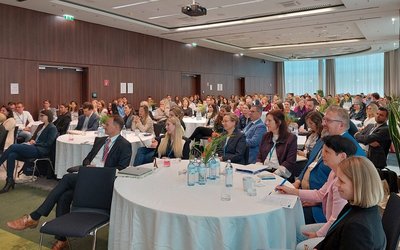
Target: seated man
column 113, row 151
column 24, row 121
column 46, row 106
column 376, row 137
column 89, row 121
column 254, row 132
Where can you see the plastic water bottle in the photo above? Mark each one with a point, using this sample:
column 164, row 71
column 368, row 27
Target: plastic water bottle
column 213, row 169
column 191, row 173
column 217, row 165
column 198, row 115
column 202, row 170
column 123, row 132
column 229, row 174
column 100, row 131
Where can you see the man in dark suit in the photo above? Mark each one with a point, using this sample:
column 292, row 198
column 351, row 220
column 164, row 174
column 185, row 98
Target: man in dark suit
column 89, row 121
column 377, row 139
column 112, row 151
column 63, row 119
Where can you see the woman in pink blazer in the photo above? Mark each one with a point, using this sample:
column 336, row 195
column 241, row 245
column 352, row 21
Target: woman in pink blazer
column 336, row 148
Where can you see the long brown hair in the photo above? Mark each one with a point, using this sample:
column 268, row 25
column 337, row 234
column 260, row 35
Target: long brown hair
column 279, row 118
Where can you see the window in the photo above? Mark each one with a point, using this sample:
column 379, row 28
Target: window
column 360, row 74
column 303, row 76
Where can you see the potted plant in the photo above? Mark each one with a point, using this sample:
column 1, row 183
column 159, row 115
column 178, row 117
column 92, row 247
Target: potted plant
column 394, row 124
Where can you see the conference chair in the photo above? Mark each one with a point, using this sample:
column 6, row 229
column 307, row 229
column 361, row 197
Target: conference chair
column 391, row 222
column 90, row 209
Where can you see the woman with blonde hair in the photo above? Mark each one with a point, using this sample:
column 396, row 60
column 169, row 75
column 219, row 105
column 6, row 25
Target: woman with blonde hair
column 371, row 111
column 358, row 226
column 171, row 145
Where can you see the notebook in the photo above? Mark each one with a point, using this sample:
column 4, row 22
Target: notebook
column 136, row 171
column 252, row 168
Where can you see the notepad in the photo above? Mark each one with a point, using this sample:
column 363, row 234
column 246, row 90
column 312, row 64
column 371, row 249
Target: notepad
column 252, row 168
column 282, row 200
column 136, row 171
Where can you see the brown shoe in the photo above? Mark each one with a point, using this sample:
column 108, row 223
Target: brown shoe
column 23, row 223
column 59, row 245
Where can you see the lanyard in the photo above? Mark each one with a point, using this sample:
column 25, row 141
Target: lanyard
column 272, row 151
column 338, row 220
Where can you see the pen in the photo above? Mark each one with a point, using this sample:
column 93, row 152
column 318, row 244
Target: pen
column 282, row 183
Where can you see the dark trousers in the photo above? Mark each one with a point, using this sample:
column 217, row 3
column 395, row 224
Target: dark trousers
column 18, row 152
column 201, row 132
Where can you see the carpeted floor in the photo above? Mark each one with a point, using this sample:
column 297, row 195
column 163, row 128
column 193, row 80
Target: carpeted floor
column 24, row 199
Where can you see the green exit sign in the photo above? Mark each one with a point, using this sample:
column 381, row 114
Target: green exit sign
column 69, row 17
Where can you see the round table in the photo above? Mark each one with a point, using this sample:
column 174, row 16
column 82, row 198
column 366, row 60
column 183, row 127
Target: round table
column 160, row 211
column 72, row 149
column 192, row 123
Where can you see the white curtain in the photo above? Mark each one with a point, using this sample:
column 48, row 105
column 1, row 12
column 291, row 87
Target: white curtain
column 392, row 73
column 360, row 74
column 301, row 77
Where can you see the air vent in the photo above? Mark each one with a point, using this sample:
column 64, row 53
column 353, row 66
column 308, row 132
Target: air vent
column 289, row 4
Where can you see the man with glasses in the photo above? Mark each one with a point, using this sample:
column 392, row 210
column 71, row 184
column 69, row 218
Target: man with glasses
column 376, row 137
column 254, row 132
column 315, row 174
column 24, row 121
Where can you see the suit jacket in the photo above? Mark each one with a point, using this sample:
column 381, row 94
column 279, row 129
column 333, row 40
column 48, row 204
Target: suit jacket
column 254, row 135
column 234, row 149
column 360, row 229
column 46, row 139
column 286, row 151
column 377, row 155
column 119, row 156
column 93, row 123
column 62, row 123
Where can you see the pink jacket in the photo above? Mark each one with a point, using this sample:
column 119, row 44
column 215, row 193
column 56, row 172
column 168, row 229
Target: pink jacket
column 332, row 203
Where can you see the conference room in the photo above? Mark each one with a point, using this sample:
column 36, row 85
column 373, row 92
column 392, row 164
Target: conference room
column 145, row 87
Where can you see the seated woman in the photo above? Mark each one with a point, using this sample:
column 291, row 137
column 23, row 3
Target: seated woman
column 74, row 110
column 336, row 148
column 359, row 224
column 300, row 109
column 9, row 125
column 171, row 145
column 176, row 111
column 234, row 147
column 314, row 124
column 129, row 112
column 187, row 111
column 371, row 111
column 39, row 146
column 278, row 148
column 206, row 131
column 244, row 118
column 357, row 111
column 143, row 122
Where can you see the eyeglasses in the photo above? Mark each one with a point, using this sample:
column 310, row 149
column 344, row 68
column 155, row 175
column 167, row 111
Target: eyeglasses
column 327, row 120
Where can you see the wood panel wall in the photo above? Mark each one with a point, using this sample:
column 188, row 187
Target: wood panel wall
column 155, row 66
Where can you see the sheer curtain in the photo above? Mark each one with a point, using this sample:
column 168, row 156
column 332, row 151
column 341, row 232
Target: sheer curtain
column 392, row 73
column 360, row 74
column 301, row 77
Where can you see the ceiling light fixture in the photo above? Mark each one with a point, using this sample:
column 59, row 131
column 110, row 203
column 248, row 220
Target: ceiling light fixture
column 306, row 44
column 133, row 4
column 222, row 44
column 257, row 19
column 108, row 14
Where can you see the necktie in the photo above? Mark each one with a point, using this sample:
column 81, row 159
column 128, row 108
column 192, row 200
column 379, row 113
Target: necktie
column 106, row 150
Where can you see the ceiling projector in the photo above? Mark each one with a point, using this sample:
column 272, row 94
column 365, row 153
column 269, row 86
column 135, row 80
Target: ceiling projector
column 194, row 10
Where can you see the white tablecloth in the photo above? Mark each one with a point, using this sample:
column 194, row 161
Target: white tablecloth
column 161, row 212
column 192, row 123
column 72, row 152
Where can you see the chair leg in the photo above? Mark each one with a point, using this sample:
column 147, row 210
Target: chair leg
column 94, row 239
column 34, row 169
column 41, row 241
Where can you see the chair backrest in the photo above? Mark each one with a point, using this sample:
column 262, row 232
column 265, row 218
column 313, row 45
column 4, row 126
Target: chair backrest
column 391, row 221
column 158, row 128
column 15, row 134
column 3, row 137
column 94, row 188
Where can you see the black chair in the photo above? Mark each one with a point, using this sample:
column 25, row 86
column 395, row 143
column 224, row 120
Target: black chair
column 246, row 155
column 391, row 221
column 91, row 206
column 158, row 128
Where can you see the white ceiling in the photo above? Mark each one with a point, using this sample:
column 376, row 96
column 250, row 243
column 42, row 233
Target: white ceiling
column 352, row 26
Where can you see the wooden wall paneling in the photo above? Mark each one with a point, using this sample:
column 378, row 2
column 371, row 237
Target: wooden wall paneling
column 174, row 83
column 3, row 85
column 14, row 72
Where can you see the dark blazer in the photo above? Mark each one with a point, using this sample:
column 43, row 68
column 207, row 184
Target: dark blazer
column 93, row 123
column 235, row 148
column 243, row 121
column 286, row 151
column 62, row 123
column 46, row 140
column 119, row 156
column 377, row 155
column 360, row 229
